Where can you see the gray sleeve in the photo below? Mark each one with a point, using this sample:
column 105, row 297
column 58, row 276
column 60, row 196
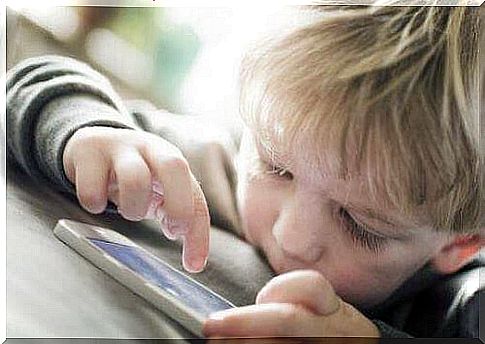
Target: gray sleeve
column 48, row 98
column 469, row 316
column 387, row 331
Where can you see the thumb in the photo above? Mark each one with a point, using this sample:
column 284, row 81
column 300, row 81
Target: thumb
column 307, row 288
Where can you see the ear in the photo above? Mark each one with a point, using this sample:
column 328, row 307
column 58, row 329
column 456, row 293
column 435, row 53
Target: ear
column 457, row 253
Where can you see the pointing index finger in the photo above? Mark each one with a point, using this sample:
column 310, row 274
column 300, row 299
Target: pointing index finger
column 196, row 239
column 184, row 213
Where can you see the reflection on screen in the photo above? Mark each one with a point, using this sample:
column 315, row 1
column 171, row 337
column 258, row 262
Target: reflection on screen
column 155, row 271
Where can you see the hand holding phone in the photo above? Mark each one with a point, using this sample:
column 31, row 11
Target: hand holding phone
column 146, row 177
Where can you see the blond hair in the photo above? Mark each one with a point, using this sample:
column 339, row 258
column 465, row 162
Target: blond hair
column 393, row 90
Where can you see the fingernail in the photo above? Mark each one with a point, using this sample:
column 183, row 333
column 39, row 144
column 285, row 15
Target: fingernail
column 212, row 326
column 168, row 234
column 153, row 208
column 134, row 218
column 217, row 316
column 192, row 263
column 173, row 229
column 208, row 330
column 166, row 231
column 195, row 265
column 157, row 188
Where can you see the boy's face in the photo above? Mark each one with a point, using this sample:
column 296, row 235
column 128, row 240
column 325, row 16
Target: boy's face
column 303, row 219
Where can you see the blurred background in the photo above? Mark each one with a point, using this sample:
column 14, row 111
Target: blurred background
column 182, row 59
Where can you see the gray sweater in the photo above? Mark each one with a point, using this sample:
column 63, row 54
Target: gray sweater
column 50, row 97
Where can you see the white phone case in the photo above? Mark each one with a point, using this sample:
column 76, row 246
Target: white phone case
column 80, row 237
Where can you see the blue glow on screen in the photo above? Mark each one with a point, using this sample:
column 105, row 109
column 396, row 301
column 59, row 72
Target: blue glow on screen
column 158, row 273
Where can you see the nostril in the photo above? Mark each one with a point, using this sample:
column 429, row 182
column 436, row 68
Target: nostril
column 298, row 247
column 309, row 255
column 314, row 254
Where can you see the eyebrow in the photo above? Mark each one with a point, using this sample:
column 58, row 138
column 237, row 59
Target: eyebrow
column 268, row 151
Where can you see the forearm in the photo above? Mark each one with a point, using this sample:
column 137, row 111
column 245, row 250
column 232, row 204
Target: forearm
column 48, row 99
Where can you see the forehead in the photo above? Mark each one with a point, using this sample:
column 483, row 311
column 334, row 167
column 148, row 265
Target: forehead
column 307, row 164
column 300, row 152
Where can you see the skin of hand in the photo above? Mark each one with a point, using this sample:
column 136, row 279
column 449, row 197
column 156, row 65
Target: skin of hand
column 295, row 340
column 301, row 303
column 96, row 158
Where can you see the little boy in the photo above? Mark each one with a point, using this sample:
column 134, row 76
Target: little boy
column 359, row 174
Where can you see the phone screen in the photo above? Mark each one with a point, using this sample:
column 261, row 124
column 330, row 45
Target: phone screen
column 158, row 273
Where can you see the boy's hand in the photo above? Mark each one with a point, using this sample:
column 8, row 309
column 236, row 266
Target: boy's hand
column 145, row 176
column 301, row 303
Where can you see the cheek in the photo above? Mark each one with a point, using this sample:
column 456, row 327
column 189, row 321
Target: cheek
column 365, row 279
column 358, row 283
column 258, row 207
column 258, row 196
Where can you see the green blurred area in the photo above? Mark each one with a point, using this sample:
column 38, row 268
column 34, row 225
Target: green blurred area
column 137, row 25
column 172, row 46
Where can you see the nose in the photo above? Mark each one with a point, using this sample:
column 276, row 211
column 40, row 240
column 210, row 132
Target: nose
column 300, row 229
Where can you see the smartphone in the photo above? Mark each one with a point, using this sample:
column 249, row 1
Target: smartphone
column 177, row 295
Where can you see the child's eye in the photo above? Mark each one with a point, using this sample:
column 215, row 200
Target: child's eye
column 360, row 234
column 279, row 172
